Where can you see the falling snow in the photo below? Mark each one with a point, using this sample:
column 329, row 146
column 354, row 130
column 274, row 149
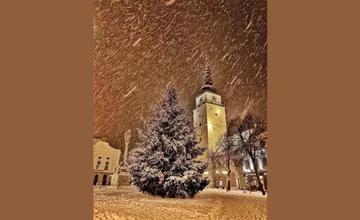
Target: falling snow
column 170, row 2
column 249, row 25
column 140, row 46
column 127, row 94
column 136, row 42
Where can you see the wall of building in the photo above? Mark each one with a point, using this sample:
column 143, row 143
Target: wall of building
column 210, row 124
column 200, row 121
column 216, row 124
column 208, row 97
column 103, row 152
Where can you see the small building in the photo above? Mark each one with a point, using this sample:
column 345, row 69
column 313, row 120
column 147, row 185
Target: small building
column 105, row 161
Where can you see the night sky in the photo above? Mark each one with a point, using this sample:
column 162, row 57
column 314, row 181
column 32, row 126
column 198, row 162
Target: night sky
column 140, row 46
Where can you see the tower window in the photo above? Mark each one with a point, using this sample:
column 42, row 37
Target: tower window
column 107, row 158
column 99, row 158
column 199, row 139
column 106, row 165
column 98, row 165
column 216, row 114
column 200, row 124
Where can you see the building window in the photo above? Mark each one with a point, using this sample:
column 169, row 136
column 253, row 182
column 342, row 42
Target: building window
column 216, row 114
column 264, row 162
column 200, row 124
column 107, row 158
column 98, row 165
column 200, row 139
column 106, row 165
column 99, row 158
column 246, row 165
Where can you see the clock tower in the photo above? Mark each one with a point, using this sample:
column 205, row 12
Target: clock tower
column 209, row 120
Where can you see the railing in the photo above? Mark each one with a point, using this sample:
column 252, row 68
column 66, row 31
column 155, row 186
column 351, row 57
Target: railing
column 211, row 102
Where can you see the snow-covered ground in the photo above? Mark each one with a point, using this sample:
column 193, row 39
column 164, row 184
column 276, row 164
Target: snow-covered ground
column 217, row 204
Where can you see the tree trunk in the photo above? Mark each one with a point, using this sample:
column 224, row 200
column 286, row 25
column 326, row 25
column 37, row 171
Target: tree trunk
column 261, row 186
column 228, row 187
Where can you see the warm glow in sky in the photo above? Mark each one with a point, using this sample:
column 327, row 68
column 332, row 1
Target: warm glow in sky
column 140, row 46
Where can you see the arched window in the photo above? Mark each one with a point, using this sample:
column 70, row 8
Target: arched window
column 106, row 165
column 98, row 165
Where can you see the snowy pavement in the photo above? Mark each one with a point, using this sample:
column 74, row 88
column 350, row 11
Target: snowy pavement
column 217, row 204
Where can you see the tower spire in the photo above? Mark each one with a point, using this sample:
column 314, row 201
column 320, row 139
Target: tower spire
column 207, row 75
column 208, row 84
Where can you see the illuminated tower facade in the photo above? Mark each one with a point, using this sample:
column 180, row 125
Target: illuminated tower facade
column 209, row 121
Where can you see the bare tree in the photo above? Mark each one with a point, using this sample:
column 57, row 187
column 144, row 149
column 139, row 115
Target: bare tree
column 251, row 142
column 224, row 153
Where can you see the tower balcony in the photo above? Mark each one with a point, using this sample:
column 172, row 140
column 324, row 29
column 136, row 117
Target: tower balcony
column 210, row 102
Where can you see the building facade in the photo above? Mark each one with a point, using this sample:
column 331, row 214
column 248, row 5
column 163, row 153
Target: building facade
column 106, row 160
column 246, row 170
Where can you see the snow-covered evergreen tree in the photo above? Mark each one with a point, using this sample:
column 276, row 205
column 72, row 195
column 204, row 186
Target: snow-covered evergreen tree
column 165, row 162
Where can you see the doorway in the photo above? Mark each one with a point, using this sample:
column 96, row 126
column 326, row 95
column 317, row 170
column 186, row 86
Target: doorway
column 96, row 179
column 104, row 180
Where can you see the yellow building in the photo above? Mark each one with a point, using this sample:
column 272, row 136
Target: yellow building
column 105, row 161
column 210, row 124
